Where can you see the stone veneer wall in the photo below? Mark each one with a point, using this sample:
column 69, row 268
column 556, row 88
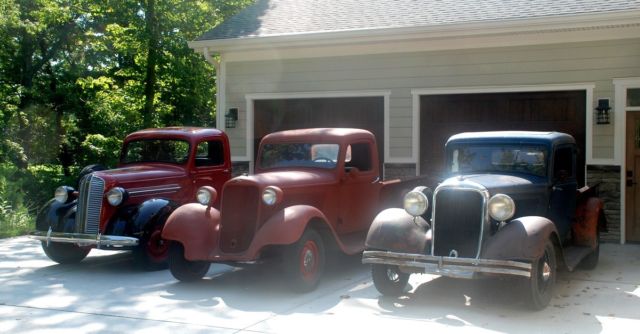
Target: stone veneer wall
column 239, row 168
column 399, row 171
column 608, row 178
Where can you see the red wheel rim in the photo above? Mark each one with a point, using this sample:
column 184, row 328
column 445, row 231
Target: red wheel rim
column 157, row 248
column 309, row 260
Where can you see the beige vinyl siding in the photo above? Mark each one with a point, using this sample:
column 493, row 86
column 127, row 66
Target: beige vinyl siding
column 399, row 73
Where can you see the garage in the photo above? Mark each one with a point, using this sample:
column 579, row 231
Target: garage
column 352, row 112
column 444, row 115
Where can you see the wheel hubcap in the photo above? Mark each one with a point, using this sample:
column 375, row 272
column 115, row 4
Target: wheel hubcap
column 392, row 274
column 156, row 246
column 308, row 260
column 546, row 271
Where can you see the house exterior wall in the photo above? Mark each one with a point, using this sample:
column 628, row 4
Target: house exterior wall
column 584, row 64
column 593, row 62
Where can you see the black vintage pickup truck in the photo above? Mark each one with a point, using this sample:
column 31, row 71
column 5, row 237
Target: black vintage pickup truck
column 511, row 206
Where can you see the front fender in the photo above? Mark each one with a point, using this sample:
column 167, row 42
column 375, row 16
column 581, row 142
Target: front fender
column 60, row 217
column 196, row 227
column 521, row 239
column 397, row 231
column 141, row 218
column 287, row 226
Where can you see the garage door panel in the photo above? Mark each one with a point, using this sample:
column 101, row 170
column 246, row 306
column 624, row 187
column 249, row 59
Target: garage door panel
column 444, row 115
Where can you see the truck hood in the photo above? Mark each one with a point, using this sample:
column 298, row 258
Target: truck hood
column 500, row 183
column 142, row 174
column 288, row 179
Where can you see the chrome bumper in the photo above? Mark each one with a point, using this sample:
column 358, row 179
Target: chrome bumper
column 98, row 240
column 448, row 266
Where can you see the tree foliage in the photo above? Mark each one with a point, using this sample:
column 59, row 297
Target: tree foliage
column 77, row 75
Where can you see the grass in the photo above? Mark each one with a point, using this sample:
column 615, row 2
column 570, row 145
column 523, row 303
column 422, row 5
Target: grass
column 14, row 221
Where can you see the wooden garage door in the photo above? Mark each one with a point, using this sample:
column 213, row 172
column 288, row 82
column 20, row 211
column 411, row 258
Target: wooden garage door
column 351, row 112
column 444, row 115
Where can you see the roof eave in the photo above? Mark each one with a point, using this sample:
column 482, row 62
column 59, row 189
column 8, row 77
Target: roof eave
column 468, row 30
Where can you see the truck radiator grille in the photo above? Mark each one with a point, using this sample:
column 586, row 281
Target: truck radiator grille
column 239, row 212
column 90, row 197
column 458, row 219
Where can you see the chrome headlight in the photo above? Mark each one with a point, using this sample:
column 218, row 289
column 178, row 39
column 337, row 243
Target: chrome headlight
column 115, row 196
column 501, row 207
column 62, row 194
column 271, row 195
column 415, row 202
column 203, row 196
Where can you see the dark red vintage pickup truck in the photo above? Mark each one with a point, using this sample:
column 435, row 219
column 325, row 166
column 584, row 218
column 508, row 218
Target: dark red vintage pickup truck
column 312, row 189
column 126, row 207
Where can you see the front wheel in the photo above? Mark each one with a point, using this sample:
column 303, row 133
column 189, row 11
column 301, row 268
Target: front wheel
column 539, row 287
column 389, row 280
column 153, row 252
column 64, row 253
column 304, row 261
column 183, row 269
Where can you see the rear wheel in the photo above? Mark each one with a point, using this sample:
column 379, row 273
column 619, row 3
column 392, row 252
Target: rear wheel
column 153, row 252
column 590, row 262
column 183, row 269
column 304, row 261
column 389, row 280
column 64, row 253
column 539, row 287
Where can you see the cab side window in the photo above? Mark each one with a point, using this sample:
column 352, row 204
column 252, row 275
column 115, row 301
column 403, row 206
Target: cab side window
column 210, row 153
column 359, row 157
column 563, row 164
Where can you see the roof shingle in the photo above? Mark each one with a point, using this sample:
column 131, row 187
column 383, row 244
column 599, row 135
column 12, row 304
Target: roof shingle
column 285, row 17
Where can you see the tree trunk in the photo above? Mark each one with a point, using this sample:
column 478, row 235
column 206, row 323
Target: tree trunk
column 152, row 59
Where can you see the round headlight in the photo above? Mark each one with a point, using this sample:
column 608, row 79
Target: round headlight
column 271, row 195
column 203, row 196
column 415, row 203
column 501, row 207
column 115, row 196
column 61, row 194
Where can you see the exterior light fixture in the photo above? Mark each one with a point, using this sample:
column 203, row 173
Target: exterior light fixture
column 231, row 118
column 602, row 111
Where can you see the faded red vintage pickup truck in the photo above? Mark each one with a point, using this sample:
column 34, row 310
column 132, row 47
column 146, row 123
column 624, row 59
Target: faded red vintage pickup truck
column 126, row 207
column 312, row 189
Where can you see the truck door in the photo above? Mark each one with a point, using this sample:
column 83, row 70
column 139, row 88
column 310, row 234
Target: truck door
column 210, row 167
column 359, row 189
column 563, row 192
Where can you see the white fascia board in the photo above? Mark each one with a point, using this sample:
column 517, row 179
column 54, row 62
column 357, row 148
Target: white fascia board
column 618, row 25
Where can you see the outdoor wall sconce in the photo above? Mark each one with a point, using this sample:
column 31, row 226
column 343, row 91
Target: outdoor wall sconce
column 231, row 118
column 602, row 111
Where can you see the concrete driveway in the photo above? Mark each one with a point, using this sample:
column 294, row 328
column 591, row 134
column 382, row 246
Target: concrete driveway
column 106, row 293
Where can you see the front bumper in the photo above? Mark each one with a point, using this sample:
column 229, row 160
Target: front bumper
column 83, row 239
column 448, row 266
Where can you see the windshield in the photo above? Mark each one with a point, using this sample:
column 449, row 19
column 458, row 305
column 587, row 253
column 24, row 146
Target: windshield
column 156, row 150
column 499, row 159
column 299, row 155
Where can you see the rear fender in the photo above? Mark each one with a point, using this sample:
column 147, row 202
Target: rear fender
column 396, row 230
column 196, row 227
column 589, row 217
column 521, row 239
column 287, row 226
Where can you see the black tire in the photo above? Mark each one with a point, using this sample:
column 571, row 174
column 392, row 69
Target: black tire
column 64, row 253
column 590, row 262
column 539, row 288
column 389, row 280
column 183, row 269
column 153, row 252
column 304, row 261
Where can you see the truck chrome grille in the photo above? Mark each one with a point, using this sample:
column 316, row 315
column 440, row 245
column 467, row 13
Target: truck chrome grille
column 239, row 212
column 457, row 223
column 90, row 197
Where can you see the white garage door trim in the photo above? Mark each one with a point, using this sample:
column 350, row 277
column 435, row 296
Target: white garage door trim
column 250, row 98
column 587, row 87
